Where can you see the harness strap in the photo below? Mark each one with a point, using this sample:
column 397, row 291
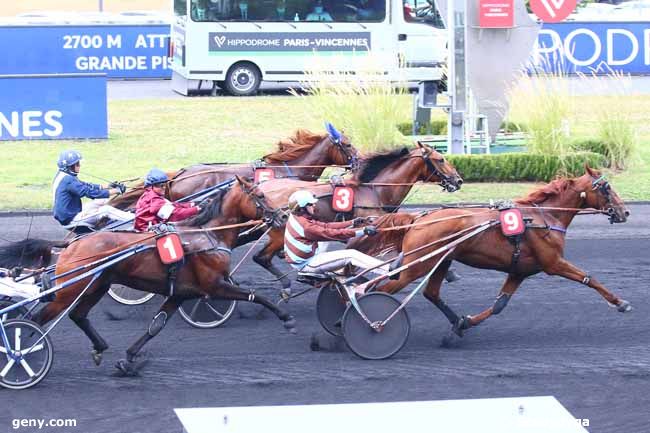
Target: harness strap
column 289, row 172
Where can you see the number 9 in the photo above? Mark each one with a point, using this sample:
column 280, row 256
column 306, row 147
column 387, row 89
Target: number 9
column 512, row 221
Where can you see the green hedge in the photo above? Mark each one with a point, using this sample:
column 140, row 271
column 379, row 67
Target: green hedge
column 509, row 167
column 439, row 127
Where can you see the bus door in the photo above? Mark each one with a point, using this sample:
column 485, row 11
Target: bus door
column 420, row 33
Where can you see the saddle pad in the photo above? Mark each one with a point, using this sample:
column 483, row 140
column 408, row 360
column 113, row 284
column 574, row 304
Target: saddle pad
column 263, row 174
column 343, row 199
column 170, row 248
column 512, row 223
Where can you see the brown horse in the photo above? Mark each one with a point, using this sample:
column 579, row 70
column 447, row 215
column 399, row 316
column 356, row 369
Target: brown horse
column 549, row 211
column 205, row 272
column 303, row 156
column 380, row 185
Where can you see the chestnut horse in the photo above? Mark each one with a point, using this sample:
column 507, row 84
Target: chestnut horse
column 205, row 272
column 303, row 156
column 380, row 185
column 549, row 211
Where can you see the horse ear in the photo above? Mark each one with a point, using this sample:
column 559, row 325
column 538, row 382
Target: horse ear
column 589, row 170
column 242, row 180
column 420, row 145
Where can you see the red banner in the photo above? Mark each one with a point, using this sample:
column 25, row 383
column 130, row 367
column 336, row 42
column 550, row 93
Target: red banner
column 497, row 14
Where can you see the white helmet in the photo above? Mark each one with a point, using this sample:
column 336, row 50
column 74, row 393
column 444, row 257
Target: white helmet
column 300, row 199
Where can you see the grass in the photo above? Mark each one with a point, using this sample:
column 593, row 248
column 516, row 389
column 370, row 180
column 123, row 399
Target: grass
column 174, row 133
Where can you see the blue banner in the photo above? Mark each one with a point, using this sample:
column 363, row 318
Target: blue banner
column 118, row 51
column 594, row 46
column 53, row 107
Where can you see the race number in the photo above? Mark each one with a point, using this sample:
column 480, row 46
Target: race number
column 170, row 248
column 512, row 223
column 263, row 174
column 343, row 199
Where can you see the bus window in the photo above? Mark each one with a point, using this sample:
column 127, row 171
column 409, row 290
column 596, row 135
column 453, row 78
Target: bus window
column 422, row 11
column 180, row 8
column 285, row 10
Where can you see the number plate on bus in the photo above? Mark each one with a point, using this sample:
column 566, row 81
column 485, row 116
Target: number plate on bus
column 264, row 174
column 343, row 199
column 170, row 248
column 512, row 223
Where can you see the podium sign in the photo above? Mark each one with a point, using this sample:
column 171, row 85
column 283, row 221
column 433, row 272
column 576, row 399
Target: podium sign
column 496, row 14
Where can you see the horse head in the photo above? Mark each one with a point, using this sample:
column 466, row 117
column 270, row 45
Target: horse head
column 341, row 150
column 597, row 193
column 254, row 204
column 437, row 168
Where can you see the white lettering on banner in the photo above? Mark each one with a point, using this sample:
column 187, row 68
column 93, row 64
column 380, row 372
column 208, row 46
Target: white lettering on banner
column 31, row 124
column 107, row 63
column 569, row 52
column 71, row 42
column 613, row 38
column 610, row 47
column 114, row 41
column 150, row 41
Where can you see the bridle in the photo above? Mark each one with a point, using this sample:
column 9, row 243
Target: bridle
column 601, row 185
column 446, row 182
column 348, row 152
column 270, row 216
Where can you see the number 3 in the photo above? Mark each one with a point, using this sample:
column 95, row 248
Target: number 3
column 343, row 200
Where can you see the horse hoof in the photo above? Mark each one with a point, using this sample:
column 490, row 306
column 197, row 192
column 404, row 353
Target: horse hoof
column 130, row 369
column 450, row 340
column 452, row 276
column 624, row 306
column 290, row 325
column 285, row 294
column 97, row 357
column 461, row 325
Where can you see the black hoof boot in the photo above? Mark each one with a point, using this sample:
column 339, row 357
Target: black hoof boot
column 130, row 368
column 396, row 264
column 314, row 343
column 97, row 356
column 461, row 326
column 452, row 276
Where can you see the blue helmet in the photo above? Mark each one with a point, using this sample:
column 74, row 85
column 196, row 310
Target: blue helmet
column 68, row 158
column 155, row 176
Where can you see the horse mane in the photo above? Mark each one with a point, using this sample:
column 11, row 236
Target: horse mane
column 30, row 253
column 543, row 193
column 372, row 165
column 292, row 147
column 210, row 212
column 385, row 241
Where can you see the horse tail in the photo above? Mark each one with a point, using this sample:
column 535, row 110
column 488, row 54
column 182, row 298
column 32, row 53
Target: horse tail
column 386, row 240
column 29, row 253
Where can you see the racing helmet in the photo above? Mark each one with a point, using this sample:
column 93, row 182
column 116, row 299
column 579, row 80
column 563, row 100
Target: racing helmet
column 68, row 158
column 300, row 199
column 155, row 176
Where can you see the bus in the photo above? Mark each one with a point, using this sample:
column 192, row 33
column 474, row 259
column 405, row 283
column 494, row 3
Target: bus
column 238, row 44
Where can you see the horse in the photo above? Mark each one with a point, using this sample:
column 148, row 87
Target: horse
column 380, row 185
column 208, row 239
column 548, row 211
column 303, row 156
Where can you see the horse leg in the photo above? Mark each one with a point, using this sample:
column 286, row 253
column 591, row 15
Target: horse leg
column 568, row 270
column 265, row 256
column 233, row 292
column 130, row 367
column 508, row 289
column 79, row 315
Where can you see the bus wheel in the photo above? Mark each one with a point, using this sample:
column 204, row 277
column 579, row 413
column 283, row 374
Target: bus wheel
column 243, row 79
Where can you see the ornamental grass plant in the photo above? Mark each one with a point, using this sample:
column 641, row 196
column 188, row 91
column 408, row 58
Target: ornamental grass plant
column 366, row 104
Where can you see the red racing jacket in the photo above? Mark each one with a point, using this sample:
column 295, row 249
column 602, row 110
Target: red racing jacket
column 153, row 209
column 302, row 234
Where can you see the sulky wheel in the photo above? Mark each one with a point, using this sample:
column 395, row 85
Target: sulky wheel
column 128, row 296
column 27, row 359
column 207, row 313
column 330, row 307
column 367, row 342
column 13, row 314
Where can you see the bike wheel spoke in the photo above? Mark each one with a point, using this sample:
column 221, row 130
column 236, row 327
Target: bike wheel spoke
column 214, row 310
column 17, row 339
column 195, row 309
column 35, row 349
column 5, row 370
column 27, row 368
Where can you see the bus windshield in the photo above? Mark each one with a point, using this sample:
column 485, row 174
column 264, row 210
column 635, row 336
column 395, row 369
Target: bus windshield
column 422, row 11
column 287, row 10
column 180, row 8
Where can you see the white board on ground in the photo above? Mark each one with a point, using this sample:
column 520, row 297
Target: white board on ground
column 495, row 415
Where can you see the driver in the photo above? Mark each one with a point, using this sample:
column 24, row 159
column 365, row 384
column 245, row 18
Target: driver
column 68, row 191
column 153, row 208
column 303, row 232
